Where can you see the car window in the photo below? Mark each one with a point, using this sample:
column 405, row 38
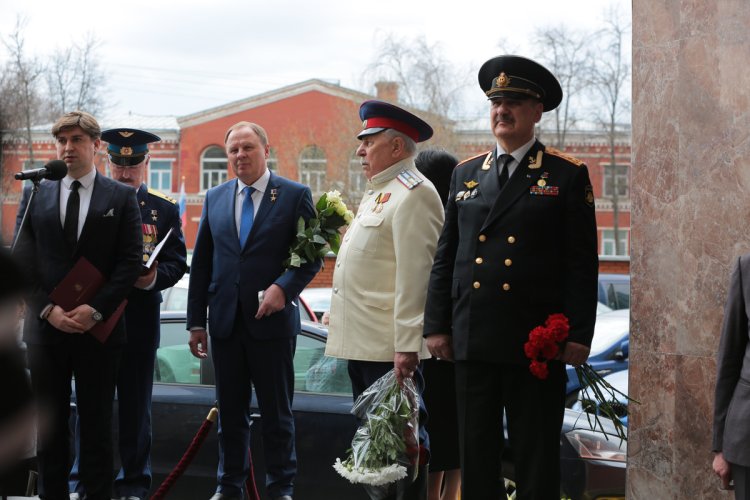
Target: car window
column 621, row 292
column 174, row 363
column 316, row 372
column 304, row 314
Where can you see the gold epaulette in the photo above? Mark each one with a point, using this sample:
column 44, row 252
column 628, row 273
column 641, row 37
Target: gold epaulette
column 572, row 159
column 474, row 157
column 161, row 195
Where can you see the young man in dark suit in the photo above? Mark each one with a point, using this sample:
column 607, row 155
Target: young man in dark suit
column 247, row 227
column 518, row 244
column 127, row 151
column 84, row 215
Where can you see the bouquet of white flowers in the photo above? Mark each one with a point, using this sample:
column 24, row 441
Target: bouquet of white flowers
column 320, row 232
column 386, row 444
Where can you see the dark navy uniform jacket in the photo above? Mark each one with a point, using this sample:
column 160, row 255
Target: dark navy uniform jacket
column 159, row 213
column 507, row 260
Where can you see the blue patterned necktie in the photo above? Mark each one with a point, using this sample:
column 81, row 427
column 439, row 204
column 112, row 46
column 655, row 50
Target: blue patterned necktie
column 246, row 220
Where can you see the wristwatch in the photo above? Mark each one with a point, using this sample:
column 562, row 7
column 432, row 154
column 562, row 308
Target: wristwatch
column 96, row 315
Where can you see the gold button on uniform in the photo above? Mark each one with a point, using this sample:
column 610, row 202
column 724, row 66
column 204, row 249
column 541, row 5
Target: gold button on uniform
column 506, row 287
column 482, row 237
column 511, row 239
column 478, row 260
column 477, row 284
column 508, row 262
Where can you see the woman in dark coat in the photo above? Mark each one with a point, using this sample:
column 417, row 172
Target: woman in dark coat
column 439, row 375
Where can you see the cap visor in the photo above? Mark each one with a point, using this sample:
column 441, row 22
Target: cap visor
column 370, row 131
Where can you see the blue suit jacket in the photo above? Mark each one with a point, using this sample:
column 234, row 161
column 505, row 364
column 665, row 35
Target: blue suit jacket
column 225, row 277
column 110, row 239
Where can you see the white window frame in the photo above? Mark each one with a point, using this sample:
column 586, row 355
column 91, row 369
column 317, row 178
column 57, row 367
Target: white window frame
column 161, row 173
column 312, row 169
column 608, row 241
column 622, row 176
column 211, row 177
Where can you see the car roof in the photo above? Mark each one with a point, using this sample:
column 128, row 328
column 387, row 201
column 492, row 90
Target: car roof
column 610, row 327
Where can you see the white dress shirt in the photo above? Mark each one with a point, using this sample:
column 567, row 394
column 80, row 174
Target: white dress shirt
column 517, row 155
column 84, row 193
column 260, row 188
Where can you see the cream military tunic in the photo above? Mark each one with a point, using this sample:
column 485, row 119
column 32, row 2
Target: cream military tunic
column 383, row 267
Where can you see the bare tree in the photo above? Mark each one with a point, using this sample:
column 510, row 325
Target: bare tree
column 426, row 81
column 75, row 79
column 611, row 76
column 23, row 82
column 565, row 53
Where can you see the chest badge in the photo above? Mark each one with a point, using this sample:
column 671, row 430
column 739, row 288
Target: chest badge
column 380, row 199
column 471, row 184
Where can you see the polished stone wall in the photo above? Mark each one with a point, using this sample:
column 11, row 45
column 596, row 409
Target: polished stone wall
column 690, row 216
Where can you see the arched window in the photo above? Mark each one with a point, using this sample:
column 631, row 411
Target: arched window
column 213, row 167
column 273, row 161
column 312, row 169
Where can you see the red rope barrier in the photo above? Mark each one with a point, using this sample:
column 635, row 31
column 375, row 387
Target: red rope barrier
column 187, row 457
column 251, row 489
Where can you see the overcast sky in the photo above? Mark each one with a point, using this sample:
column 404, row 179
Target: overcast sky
column 168, row 57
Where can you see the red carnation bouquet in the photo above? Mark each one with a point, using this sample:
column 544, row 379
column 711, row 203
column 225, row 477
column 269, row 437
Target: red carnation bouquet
column 544, row 345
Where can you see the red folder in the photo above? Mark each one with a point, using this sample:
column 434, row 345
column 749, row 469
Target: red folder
column 78, row 287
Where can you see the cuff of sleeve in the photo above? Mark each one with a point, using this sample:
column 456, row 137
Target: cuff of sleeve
column 45, row 312
column 153, row 282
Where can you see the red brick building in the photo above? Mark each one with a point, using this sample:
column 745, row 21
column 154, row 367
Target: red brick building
column 312, row 129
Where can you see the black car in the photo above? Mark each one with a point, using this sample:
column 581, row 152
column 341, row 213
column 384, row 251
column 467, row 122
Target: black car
column 184, row 393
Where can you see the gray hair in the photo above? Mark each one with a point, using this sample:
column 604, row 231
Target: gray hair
column 410, row 147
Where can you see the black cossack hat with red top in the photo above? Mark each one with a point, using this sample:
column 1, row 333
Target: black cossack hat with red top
column 377, row 116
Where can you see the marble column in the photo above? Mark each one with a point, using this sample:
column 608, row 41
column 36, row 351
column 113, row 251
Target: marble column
column 691, row 215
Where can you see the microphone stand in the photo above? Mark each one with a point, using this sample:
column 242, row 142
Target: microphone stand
column 34, row 191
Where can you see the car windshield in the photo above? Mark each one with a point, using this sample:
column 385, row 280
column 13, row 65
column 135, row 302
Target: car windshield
column 610, row 327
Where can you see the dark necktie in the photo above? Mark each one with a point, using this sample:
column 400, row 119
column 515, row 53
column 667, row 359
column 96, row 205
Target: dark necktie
column 71, row 216
column 246, row 219
column 502, row 178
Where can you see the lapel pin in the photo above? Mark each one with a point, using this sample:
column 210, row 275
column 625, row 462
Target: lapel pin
column 274, row 193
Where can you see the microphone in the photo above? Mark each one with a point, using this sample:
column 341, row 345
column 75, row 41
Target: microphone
column 54, row 171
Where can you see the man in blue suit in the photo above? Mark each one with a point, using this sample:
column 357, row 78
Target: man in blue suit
column 83, row 215
column 237, row 272
column 128, row 157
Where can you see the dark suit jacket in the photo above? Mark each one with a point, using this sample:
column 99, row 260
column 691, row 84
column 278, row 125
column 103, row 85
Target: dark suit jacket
column 506, row 260
column 110, row 239
column 731, row 433
column 224, row 276
column 142, row 312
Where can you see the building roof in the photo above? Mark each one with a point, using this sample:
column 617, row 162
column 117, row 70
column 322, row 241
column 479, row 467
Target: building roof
column 265, row 98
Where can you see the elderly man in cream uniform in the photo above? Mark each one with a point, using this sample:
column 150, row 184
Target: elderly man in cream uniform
column 383, row 266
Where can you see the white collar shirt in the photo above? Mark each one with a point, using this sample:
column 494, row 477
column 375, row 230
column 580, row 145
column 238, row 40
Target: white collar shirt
column 85, row 191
